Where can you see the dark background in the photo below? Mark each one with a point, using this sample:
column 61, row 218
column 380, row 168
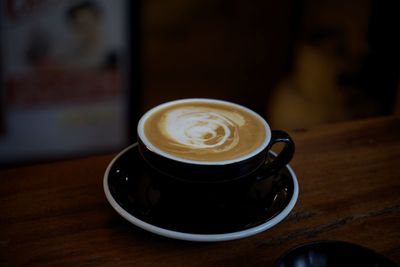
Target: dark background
column 338, row 59
column 240, row 50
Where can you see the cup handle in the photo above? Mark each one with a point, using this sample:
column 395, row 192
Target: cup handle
column 283, row 157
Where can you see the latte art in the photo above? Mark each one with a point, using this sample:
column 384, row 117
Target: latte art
column 197, row 128
column 204, row 130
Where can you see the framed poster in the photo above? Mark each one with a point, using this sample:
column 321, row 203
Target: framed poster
column 64, row 69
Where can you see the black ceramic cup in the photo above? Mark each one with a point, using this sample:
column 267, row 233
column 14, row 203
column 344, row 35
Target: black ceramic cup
column 216, row 172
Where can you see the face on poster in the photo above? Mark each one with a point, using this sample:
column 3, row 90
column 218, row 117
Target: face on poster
column 63, row 85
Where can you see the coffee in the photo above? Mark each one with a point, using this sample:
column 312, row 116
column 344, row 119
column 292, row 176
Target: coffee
column 205, row 130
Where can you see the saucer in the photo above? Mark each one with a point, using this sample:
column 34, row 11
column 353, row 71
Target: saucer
column 131, row 187
column 332, row 253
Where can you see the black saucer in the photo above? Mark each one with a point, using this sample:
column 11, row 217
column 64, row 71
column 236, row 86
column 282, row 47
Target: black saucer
column 330, row 253
column 132, row 189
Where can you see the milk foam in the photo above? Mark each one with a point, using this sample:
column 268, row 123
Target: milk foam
column 204, row 131
column 202, row 128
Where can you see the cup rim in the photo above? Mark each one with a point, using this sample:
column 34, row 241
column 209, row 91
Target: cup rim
column 154, row 149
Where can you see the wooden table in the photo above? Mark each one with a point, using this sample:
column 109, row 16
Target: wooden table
column 56, row 214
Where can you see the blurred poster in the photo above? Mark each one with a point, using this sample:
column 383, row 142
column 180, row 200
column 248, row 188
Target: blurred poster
column 64, row 90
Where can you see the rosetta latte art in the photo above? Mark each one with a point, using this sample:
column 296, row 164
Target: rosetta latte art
column 202, row 130
column 199, row 129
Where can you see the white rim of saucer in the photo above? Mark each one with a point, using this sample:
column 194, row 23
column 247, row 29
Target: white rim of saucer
column 199, row 237
column 151, row 147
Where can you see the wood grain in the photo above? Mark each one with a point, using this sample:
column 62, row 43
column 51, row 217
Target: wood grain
column 56, row 214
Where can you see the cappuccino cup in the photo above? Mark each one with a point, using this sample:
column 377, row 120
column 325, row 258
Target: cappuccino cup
column 209, row 141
